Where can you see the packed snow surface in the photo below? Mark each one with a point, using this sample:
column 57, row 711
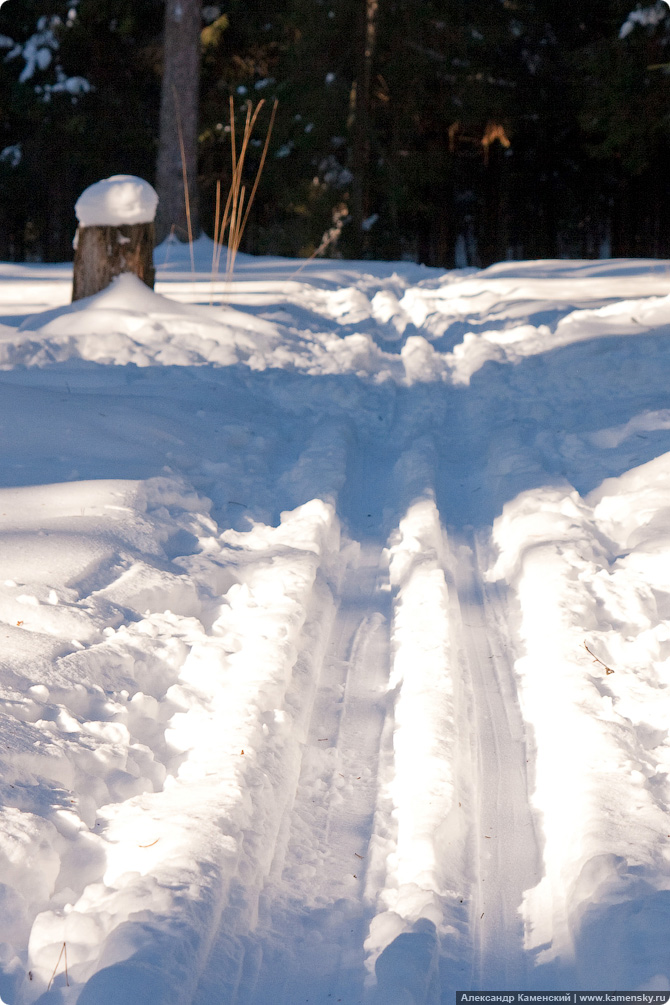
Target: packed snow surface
column 123, row 198
column 335, row 604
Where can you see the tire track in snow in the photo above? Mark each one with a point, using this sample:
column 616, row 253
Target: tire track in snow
column 504, row 838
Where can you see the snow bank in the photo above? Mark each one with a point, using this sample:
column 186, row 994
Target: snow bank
column 594, row 590
column 121, row 199
column 378, row 326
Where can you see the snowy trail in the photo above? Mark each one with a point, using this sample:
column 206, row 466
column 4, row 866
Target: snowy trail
column 505, row 842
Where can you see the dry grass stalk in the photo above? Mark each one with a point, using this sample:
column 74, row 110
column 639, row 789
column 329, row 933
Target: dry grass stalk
column 216, row 216
column 236, row 212
column 187, row 200
column 63, row 952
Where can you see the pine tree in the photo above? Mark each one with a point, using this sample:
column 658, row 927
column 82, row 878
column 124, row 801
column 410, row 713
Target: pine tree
column 79, row 94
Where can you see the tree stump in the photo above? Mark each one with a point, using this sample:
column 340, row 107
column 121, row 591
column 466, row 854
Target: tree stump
column 104, row 252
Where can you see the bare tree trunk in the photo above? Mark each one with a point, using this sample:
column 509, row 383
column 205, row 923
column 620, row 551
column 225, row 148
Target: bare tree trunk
column 103, row 253
column 360, row 151
column 179, row 104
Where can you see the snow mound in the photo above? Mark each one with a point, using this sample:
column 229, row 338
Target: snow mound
column 129, row 323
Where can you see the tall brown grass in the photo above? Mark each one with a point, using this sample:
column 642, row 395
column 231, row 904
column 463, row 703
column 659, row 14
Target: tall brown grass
column 236, row 211
column 187, row 200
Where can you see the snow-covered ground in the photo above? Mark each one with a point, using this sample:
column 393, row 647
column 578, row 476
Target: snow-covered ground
column 335, row 610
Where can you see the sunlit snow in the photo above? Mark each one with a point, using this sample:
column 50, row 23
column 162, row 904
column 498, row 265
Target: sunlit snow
column 335, row 609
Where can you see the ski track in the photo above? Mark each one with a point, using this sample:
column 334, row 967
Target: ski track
column 300, row 929
column 329, row 883
column 504, row 834
column 314, row 924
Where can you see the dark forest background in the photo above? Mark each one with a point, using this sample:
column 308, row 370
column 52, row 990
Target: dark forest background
column 493, row 129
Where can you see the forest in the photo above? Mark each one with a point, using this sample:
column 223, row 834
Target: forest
column 447, row 133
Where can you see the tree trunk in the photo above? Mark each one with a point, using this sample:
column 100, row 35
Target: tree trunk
column 179, row 107
column 360, row 150
column 102, row 253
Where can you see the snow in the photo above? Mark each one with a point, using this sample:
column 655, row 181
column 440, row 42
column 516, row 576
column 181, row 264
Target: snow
column 12, row 155
column 38, row 50
column 643, row 16
column 335, row 604
column 123, row 198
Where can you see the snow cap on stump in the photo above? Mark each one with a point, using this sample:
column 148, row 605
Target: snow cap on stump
column 121, row 199
column 115, row 234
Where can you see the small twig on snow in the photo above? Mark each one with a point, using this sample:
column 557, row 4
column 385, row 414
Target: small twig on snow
column 596, row 660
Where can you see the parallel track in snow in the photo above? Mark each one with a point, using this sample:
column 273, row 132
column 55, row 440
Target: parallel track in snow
column 312, row 917
column 318, row 919
column 504, row 835
column 332, row 853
